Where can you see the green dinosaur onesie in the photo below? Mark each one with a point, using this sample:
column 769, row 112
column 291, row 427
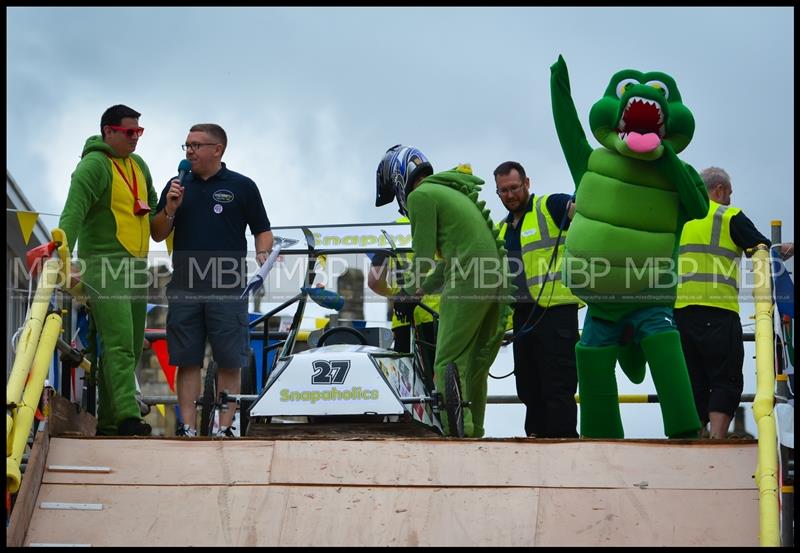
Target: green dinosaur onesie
column 447, row 219
column 633, row 197
column 113, row 244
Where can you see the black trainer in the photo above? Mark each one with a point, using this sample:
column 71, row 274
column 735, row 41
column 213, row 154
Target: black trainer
column 184, row 430
column 134, row 427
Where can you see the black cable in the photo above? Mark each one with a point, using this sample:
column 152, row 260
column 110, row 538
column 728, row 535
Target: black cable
column 525, row 328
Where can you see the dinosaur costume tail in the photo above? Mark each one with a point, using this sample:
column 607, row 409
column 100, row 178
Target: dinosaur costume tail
column 597, row 386
column 632, row 362
column 488, row 344
column 671, row 377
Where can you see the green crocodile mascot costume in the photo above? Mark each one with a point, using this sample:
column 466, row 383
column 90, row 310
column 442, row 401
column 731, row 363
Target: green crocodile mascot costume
column 113, row 242
column 633, row 196
column 449, row 223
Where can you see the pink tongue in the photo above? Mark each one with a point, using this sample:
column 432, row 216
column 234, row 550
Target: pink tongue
column 642, row 143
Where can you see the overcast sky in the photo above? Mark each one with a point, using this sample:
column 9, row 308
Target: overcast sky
column 312, row 97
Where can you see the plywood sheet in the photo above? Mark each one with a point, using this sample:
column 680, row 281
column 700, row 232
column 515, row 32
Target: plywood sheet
column 410, row 516
column 586, row 464
column 648, row 517
column 29, row 490
column 161, row 461
column 281, row 515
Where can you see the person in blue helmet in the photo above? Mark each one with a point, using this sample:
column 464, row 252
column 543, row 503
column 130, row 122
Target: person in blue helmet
column 449, row 223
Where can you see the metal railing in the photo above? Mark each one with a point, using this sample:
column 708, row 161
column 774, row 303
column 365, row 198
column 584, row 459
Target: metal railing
column 496, row 399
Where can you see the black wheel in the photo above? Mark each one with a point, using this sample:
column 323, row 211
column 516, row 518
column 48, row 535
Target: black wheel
column 249, row 375
column 209, row 402
column 453, row 405
column 89, row 389
column 89, row 395
column 248, row 388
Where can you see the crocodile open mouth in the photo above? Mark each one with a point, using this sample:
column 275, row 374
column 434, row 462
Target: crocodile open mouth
column 641, row 116
column 641, row 127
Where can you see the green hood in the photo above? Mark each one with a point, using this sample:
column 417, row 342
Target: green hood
column 95, row 144
column 89, row 216
column 464, row 181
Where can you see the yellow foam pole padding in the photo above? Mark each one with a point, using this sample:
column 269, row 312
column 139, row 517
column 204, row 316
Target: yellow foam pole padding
column 60, row 237
column 25, row 411
column 767, row 470
column 29, row 338
column 65, row 279
column 767, row 482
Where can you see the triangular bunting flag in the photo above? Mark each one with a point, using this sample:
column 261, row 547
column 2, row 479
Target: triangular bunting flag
column 27, row 220
column 160, row 347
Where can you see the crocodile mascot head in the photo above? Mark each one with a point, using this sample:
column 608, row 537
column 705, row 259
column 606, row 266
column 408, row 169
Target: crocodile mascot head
column 639, row 112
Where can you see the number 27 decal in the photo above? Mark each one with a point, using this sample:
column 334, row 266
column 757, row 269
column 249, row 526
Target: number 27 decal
column 330, row 372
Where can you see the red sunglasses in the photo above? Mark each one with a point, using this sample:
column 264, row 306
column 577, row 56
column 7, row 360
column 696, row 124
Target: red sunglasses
column 130, row 133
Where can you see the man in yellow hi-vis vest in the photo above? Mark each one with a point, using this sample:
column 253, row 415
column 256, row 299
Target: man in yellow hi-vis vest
column 545, row 320
column 382, row 280
column 707, row 304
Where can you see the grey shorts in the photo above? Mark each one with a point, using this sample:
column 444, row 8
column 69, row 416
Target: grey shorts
column 223, row 323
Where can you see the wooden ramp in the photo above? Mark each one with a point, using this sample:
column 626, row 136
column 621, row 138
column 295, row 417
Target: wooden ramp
column 178, row 492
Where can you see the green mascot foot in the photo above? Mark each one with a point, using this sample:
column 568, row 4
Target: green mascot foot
column 632, row 362
column 671, row 377
column 597, row 386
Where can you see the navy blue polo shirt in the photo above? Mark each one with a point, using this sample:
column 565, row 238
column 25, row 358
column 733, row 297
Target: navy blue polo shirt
column 744, row 233
column 210, row 245
column 556, row 206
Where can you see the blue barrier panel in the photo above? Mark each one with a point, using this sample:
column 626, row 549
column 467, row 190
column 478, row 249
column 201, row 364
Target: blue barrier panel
column 258, row 346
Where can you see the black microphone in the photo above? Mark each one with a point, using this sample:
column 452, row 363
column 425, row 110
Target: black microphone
column 184, row 167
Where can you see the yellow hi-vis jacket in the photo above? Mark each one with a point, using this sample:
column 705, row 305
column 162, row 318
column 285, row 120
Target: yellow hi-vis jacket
column 431, row 300
column 537, row 239
column 708, row 265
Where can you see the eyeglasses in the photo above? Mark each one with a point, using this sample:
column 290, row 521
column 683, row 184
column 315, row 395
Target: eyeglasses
column 196, row 145
column 510, row 190
column 129, row 132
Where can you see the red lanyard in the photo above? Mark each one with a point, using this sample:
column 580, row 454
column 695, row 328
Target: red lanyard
column 135, row 188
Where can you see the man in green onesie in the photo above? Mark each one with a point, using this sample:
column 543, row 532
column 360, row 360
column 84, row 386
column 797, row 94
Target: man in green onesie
column 108, row 210
column 448, row 221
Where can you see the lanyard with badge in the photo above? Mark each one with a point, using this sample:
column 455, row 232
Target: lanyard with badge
column 140, row 207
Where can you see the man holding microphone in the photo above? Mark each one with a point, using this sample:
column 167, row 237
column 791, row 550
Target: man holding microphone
column 208, row 211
